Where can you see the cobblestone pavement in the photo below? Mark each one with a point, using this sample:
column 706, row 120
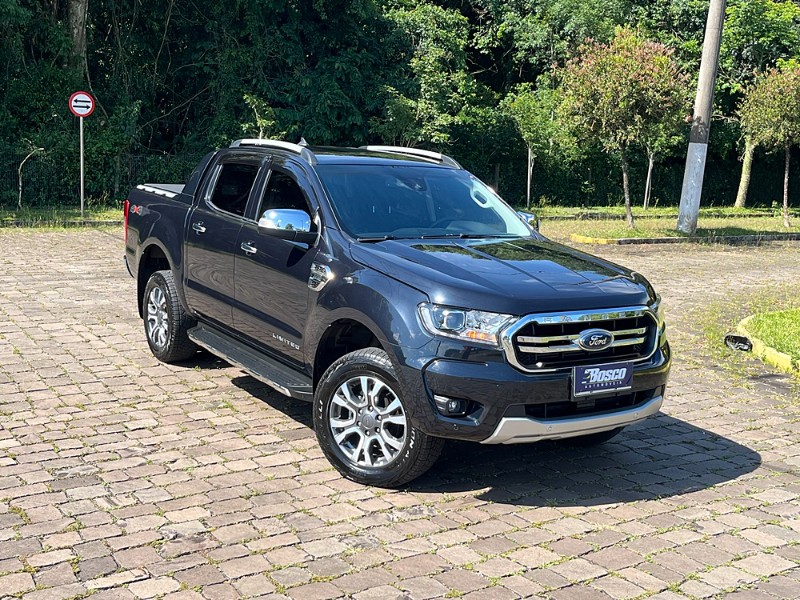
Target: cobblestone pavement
column 124, row 478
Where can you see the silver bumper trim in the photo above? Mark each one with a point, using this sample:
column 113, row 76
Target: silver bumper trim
column 519, row 430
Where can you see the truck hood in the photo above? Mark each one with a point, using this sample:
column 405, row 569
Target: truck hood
column 517, row 276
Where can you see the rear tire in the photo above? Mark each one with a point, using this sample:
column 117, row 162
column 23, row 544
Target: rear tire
column 165, row 322
column 361, row 423
column 592, row 439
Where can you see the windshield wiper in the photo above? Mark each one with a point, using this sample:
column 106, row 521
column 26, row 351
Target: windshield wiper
column 467, row 236
column 377, row 238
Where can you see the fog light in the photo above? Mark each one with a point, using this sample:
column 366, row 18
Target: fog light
column 451, row 407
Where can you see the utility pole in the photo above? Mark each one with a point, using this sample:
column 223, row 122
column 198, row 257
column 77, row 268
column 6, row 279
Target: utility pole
column 701, row 120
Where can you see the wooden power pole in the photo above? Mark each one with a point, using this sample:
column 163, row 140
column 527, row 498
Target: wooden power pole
column 701, row 120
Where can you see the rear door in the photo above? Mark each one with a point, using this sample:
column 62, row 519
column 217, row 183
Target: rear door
column 272, row 282
column 212, row 232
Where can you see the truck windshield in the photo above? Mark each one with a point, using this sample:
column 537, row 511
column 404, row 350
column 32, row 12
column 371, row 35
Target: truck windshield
column 374, row 202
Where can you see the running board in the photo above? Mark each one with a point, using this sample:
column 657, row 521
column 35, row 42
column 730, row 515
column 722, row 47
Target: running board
column 276, row 375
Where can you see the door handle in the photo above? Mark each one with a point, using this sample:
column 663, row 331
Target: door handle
column 198, row 227
column 248, row 248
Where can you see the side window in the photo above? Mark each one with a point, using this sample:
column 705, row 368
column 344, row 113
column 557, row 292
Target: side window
column 233, row 187
column 283, row 192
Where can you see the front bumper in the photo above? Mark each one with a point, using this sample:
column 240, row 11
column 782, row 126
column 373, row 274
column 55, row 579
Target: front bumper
column 520, row 430
column 508, row 406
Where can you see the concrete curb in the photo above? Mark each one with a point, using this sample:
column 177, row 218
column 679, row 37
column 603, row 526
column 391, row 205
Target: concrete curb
column 768, row 354
column 753, row 240
column 59, row 223
column 605, row 216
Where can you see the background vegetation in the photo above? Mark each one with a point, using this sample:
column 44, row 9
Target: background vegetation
column 174, row 78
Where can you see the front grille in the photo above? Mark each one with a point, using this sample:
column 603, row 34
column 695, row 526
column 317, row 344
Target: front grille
column 549, row 342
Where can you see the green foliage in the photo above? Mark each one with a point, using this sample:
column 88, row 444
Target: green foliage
column 770, row 110
column 623, row 93
column 535, row 113
column 756, row 35
column 678, row 24
column 525, row 38
column 173, row 79
column 440, row 84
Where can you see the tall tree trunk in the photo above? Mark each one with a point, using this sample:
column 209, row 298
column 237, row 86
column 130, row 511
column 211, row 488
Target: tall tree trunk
column 626, row 189
column 19, row 174
column 648, row 186
column 747, row 168
column 76, row 13
column 497, row 177
column 787, row 148
column 530, row 178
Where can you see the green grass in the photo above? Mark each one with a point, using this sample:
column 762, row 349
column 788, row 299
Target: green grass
column 618, row 211
column 55, row 217
column 708, row 226
column 722, row 314
column 780, row 330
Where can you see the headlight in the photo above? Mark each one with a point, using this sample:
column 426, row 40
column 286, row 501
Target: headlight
column 475, row 326
column 658, row 308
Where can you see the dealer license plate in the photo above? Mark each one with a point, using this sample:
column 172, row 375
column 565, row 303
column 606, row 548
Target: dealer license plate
column 597, row 379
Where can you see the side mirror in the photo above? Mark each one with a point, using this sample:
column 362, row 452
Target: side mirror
column 530, row 219
column 288, row 224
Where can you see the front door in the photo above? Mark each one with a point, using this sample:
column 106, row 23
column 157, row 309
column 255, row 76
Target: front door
column 211, row 235
column 272, row 281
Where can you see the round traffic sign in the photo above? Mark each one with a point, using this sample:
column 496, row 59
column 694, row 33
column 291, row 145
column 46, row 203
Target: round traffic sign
column 81, row 104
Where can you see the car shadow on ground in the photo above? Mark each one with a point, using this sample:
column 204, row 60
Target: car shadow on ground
column 296, row 409
column 658, row 458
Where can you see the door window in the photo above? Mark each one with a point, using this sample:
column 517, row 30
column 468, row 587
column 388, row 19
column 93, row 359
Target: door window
column 283, row 192
column 233, row 186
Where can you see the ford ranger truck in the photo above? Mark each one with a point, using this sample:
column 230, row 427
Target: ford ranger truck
column 399, row 295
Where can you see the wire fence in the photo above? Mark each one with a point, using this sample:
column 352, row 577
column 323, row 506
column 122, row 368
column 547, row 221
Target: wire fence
column 52, row 180
column 49, row 181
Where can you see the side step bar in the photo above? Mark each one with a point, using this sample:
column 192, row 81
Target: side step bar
column 278, row 376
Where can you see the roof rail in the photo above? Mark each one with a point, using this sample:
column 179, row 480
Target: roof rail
column 302, row 150
column 442, row 158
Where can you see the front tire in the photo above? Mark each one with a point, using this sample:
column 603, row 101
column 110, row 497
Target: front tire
column 165, row 322
column 361, row 423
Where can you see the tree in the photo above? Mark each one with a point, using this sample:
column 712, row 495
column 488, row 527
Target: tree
column 77, row 12
column 534, row 112
column 518, row 40
column 770, row 116
column 440, row 82
column 659, row 137
column 662, row 130
column 757, row 34
column 616, row 94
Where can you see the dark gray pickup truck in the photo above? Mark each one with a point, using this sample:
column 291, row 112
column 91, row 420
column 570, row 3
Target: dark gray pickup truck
column 400, row 295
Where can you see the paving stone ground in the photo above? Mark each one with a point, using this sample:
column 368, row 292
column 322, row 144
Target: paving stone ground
column 122, row 478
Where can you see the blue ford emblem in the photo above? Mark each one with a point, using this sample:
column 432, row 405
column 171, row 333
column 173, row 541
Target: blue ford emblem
column 595, row 340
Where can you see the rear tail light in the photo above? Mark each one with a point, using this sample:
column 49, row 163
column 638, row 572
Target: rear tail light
column 126, row 209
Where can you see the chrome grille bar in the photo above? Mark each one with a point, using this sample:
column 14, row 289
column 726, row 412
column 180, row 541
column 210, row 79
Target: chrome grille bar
column 559, row 345
column 526, row 339
column 572, row 347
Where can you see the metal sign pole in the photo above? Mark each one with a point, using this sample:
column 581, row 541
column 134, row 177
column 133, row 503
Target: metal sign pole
column 81, row 105
column 81, row 120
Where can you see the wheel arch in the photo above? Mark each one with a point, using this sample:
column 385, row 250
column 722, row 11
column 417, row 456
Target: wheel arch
column 154, row 258
column 343, row 336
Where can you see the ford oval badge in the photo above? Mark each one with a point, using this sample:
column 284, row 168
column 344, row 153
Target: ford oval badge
column 595, row 340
